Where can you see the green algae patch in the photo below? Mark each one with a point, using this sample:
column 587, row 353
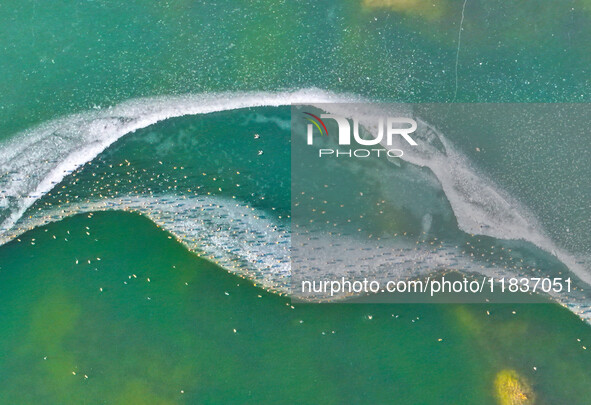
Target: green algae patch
column 53, row 318
column 139, row 392
column 423, row 8
column 512, row 389
column 217, row 339
column 53, row 322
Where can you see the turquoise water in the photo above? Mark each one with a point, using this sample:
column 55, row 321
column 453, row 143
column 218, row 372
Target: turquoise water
column 180, row 112
column 166, row 321
column 63, row 57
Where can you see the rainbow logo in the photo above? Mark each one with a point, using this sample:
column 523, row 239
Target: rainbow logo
column 318, row 121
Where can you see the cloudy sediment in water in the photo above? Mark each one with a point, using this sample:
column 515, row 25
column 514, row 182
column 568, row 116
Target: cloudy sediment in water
column 180, row 112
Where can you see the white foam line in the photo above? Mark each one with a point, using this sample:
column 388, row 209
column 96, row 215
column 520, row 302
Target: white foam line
column 92, row 132
column 480, row 207
column 245, row 243
column 237, row 237
column 134, row 115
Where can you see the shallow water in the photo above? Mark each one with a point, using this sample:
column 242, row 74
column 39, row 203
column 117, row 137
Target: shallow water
column 62, row 58
column 164, row 323
column 222, row 184
column 170, row 110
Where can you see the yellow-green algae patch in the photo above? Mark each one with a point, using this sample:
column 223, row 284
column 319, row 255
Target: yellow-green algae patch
column 53, row 320
column 512, row 389
column 138, row 392
column 429, row 9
